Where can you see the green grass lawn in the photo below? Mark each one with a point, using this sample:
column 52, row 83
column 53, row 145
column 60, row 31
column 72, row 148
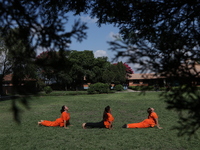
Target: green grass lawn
column 126, row 108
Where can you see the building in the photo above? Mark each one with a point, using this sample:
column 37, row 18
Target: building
column 27, row 84
column 145, row 80
column 191, row 74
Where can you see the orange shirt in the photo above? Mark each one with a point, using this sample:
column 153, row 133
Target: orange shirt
column 151, row 119
column 64, row 116
column 108, row 121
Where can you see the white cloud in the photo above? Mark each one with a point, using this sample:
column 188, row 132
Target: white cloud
column 88, row 19
column 100, row 53
column 112, row 36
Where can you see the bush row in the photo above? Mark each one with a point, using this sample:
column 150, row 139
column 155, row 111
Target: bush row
column 103, row 88
column 142, row 88
column 99, row 88
column 93, row 89
column 152, row 88
column 62, row 93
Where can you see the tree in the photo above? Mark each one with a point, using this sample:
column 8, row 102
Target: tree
column 128, row 69
column 5, row 64
column 100, row 65
column 79, row 67
column 114, row 73
column 18, row 61
column 18, row 58
column 53, row 67
column 81, row 63
column 119, row 71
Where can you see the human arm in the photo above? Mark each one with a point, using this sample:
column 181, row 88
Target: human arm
column 154, row 116
column 65, row 124
column 66, row 118
column 110, row 120
column 110, row 125
column 157, row 124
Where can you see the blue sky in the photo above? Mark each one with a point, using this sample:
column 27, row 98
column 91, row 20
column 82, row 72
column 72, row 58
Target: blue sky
column 97, row 38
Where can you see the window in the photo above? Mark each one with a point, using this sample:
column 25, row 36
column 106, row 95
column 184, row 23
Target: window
column 145, row 81
column 136, row 81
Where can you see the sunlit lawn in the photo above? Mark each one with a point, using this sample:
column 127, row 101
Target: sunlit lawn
column 126, row 108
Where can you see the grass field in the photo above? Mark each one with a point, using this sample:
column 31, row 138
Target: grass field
column 126, row 108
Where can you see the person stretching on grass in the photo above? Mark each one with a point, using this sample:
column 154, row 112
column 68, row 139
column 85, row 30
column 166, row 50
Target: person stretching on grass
column 63, row 121
column 105, row 123
column 150, row 122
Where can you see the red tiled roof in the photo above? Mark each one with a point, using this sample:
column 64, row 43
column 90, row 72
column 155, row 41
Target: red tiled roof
column 8, row 77
column 144, row 76
column 195, row 71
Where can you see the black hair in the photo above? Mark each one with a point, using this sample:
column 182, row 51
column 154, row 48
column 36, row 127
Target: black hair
column 106, row 110
column 149, row 110
column 62, row 109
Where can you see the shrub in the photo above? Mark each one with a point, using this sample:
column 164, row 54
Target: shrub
column 163, row 89
column 198, row 87
column 48, row 89
column 151, row 88
column 136, row 88
column 98, row 88
column 91, row 89
column 40, row 85
column 119, row 87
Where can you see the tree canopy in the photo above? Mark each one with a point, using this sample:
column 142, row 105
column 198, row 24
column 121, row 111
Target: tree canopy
column 74, row 68
column 5, row 63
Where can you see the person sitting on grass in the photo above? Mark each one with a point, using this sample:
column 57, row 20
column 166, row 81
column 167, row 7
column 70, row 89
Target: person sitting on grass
column 150, row 122
column 63, row 121
column 105, row 123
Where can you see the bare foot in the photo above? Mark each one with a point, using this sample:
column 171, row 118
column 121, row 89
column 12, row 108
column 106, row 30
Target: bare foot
column 83, row 125
column 39, row 123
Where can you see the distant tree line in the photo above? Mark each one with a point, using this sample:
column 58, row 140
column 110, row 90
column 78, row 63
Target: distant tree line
column 71, row 69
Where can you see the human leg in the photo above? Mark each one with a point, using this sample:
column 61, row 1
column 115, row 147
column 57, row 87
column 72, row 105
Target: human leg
column 93, row 125
column 137, row 125
column 124, row 126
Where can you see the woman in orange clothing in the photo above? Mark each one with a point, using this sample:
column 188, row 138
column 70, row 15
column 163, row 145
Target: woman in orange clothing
column 150, row 122
column 63, row 121
column 105, row 123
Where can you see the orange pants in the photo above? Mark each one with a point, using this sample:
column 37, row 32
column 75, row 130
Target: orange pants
column 57, row 122
column 144, row 124
column 138, row 125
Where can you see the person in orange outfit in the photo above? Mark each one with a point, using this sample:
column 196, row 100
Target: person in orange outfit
column 105, row 123
column 63, row 121
column 150, row 122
